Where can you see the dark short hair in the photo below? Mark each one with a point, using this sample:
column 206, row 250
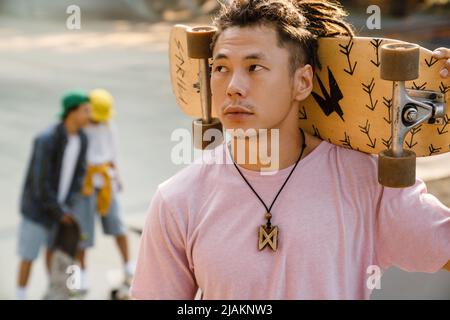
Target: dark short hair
column 71, row 101
column 298, row 24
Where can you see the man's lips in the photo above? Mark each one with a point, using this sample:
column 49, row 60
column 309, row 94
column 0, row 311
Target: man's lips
column 237, row 110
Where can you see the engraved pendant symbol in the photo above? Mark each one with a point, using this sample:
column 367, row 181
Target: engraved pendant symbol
column 268, row 236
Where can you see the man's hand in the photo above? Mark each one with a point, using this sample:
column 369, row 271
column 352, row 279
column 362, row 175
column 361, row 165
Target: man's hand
column 443, row 53
column 67, row 219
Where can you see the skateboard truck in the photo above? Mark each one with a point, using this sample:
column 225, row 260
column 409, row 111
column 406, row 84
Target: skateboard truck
column 199, row 47
column 400, row 63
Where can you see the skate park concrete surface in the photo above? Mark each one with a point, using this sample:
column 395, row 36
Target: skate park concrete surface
column 40, row 59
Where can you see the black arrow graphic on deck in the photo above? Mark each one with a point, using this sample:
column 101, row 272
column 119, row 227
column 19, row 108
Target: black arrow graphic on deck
column 421, row 87
column 411, row 144
column 180, row 58
column 366, row 130
column 180, row 72
column 179, row 45
column 346, row 50
column 431, row 62
column 181, row 88
column 329, row 103
column 181, row 85
column 317, row 133
column 443, row 88
column 376, row 43
column 368, row 88
column 446, row 122
column 388, row 104
column 387, row 143
column 433, row 150
column 346, row 141
column 302, row 114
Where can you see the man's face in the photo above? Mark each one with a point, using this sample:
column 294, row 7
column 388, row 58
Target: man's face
column 250, row 80
column 82, row 115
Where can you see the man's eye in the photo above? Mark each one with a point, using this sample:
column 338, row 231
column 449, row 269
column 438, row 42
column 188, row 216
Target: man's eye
column 220, row 69
column 255, row 67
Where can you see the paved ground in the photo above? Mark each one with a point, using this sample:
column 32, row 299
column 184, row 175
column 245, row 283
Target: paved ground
column 41, row 59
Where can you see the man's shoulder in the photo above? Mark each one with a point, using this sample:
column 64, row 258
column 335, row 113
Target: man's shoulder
column 355, row 156
column 337, row 152
column 352, row 164
column 48, row 134
column 340, row 153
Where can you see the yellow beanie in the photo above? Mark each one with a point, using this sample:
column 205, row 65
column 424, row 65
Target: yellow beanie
column 102, row 108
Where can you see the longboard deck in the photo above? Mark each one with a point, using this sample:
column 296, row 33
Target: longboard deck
column 350, row 105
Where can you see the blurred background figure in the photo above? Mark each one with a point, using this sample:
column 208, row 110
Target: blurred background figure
column 54, row 176
column 101, row 185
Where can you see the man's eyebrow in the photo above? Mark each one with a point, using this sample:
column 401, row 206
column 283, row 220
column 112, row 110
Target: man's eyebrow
column 252, row 56
column 255, row 56
column 220, row 56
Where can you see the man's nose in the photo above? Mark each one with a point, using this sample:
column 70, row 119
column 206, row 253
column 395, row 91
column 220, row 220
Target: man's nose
column 238, row 85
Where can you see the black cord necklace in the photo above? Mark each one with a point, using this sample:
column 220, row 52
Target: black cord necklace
column 268, row 234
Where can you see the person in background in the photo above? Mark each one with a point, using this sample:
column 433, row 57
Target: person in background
column 53, row 179
column 101, row 185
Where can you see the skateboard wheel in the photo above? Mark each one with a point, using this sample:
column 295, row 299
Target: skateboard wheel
column 204, row 135
column 399, row 61
column 397, row 172
column 199, row 41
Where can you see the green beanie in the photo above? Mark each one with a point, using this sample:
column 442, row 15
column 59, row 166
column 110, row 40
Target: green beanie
column 71, row 100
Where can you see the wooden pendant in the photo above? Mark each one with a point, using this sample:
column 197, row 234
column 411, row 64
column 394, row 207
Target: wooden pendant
column 268, row 236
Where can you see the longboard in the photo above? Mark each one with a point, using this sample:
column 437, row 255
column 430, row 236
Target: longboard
column 350, row 104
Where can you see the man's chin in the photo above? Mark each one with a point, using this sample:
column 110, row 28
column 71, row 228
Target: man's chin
column 240, row 131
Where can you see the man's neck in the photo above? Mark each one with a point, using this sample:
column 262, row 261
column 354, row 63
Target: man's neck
column 282, row 149
column 70, row 127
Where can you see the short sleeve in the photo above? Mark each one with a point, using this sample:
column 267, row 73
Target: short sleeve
column 162, row 268
column 413, row 230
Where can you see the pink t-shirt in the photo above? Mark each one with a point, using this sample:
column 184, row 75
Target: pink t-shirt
column 335, row 221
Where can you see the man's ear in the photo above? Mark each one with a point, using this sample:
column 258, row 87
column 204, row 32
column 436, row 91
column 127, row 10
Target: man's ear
column 303, row 82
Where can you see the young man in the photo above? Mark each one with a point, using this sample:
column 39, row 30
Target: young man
column 313, row 228
column 53, row 179
column 101, row 184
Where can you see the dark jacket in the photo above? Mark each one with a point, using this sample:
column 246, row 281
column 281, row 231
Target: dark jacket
column 40, row 192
